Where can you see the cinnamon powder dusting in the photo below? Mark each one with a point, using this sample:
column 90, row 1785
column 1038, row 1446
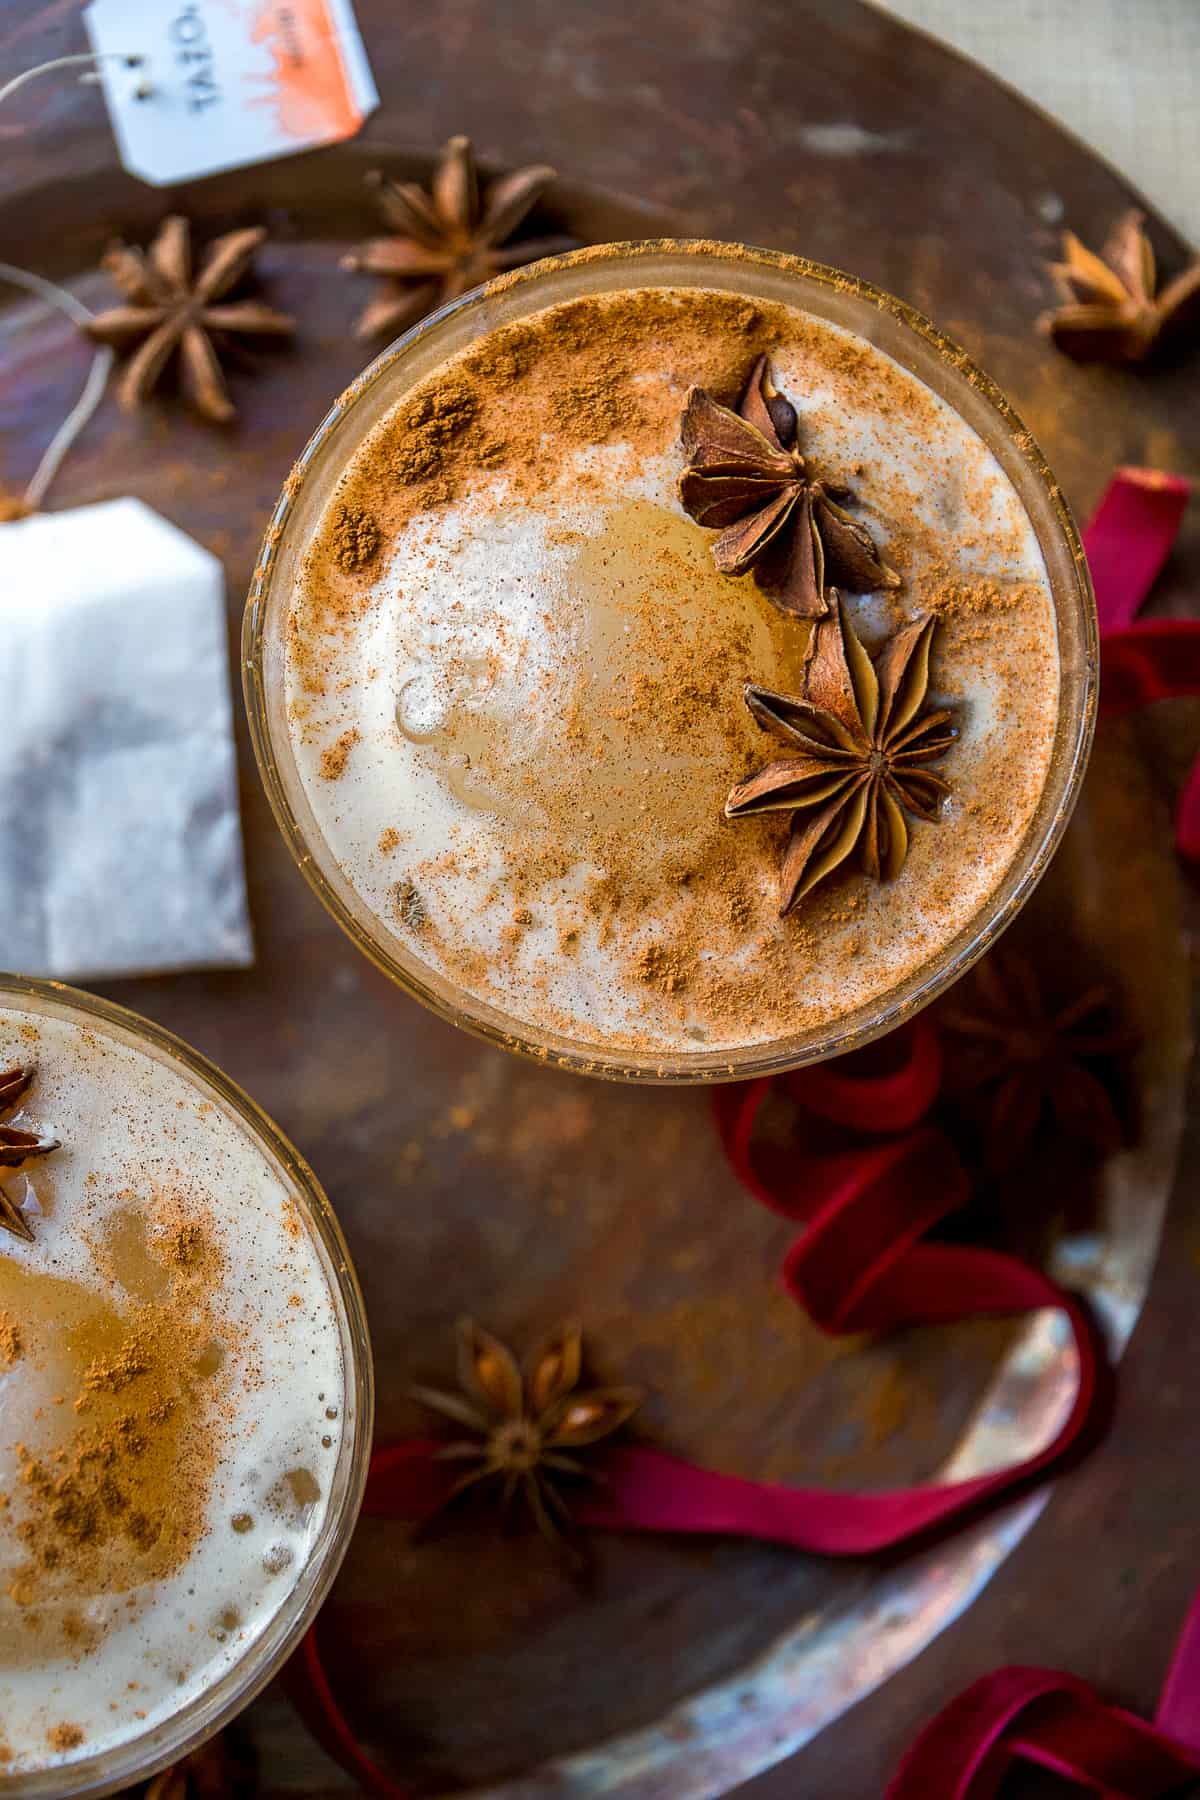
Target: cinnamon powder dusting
column 612, row 840
column 111, row 1478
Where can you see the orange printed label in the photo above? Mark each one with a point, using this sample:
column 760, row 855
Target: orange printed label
column 222, row 84
column 312, row 95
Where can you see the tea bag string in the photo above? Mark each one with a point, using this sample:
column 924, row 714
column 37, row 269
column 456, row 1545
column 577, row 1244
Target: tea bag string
column 102, row 362
column 93, row 387
column 88, row 57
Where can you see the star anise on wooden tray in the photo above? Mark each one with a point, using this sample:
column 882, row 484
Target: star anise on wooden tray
column 747, row 478
column 448, row 240
column 222, row 1769
column 1111, row 311
column 526, row 1425
column 173, row 310
column 17, row 1146
column 1029, row 1062
column 862, row 736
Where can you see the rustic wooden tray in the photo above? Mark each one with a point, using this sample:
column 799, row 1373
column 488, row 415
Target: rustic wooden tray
column 468, row 1181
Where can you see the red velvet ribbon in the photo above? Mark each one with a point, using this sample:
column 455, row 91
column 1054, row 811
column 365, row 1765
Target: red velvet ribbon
column 1057, row 1722
column 863, row 1263
column 1128, row 539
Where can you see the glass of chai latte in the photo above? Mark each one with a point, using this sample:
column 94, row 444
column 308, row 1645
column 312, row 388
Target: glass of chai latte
column 185, row 1387
column 674, row 660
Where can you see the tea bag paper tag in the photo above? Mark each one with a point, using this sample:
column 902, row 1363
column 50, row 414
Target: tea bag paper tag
column 225, row 83
column 118, row 782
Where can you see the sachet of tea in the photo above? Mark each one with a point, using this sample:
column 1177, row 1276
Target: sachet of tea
column 120, row 840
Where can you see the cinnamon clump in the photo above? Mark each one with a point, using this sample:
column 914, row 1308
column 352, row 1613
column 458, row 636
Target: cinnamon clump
column 426, row 427
column 64, row 1737
column 108, row 1375
column 355, row 539
column 661, row 968
column 336, row 756
column 11, row 1344
column 186, row 1244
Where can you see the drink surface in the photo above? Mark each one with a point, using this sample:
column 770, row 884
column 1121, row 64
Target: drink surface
column 171, row 1396
column 515, row 677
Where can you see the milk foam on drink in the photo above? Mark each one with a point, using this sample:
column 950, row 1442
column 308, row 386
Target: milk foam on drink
column 516, row 726
column 172, row 1394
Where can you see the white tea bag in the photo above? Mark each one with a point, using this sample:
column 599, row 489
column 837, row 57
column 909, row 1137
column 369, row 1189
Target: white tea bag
column 120, row 842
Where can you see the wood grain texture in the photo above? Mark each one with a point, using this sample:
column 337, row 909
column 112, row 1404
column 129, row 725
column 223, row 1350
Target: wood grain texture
column 467, row 1179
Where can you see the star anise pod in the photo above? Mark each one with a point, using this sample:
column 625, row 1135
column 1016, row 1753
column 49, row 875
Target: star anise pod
column 17, row 1146
column 862, row 738
column 175, row 310
column 448, row 240
column 222, row 1769
column 1110, row 311
column 1030, row 1062
column 526, row 1425
column 747, row 478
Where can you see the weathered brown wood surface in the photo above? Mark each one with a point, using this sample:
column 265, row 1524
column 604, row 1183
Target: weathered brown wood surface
column 467, row 1180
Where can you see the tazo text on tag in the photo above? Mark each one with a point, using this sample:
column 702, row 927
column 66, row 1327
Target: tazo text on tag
column 224, row 83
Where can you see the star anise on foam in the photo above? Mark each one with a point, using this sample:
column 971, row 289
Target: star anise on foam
column 17, row 1146
column 174, row 310
column 526, row 1425
column 448, row 240
column 746, row 478
column 1111, row 311
column 862, row 737
column 1030, row 1062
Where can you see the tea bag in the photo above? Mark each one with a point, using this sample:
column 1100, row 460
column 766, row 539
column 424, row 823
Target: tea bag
column 120, row 842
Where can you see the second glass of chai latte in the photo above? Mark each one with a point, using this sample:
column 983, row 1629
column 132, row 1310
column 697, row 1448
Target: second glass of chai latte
column 675, row 661
column 185, row 1396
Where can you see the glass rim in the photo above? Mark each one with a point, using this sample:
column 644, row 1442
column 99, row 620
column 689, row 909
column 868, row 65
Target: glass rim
column 844, row 1032
column 140, row 1757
